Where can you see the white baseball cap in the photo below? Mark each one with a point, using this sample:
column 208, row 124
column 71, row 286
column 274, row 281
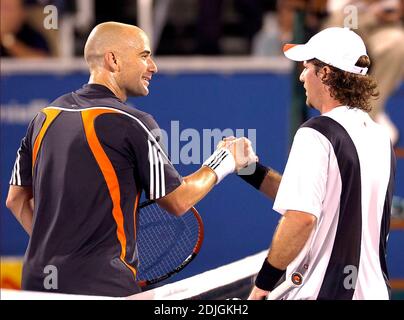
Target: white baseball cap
column 339, row 47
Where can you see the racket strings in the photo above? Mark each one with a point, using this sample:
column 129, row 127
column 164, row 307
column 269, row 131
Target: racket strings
column 165, row 241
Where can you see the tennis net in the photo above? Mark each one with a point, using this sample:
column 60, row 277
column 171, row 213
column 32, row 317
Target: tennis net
column 234, row 280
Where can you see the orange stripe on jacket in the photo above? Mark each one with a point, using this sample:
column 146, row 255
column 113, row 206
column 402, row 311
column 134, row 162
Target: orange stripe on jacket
column 51, row 114
column 109, row 174
column 135, row 211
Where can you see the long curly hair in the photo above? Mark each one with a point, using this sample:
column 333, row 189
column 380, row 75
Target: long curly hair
column 353, row 90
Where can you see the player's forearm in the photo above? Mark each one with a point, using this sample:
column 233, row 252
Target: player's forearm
column 198, row 185
column 190, row 192
column 291, row 235
column 26, row 216
column 270, row 184
column 23, row 210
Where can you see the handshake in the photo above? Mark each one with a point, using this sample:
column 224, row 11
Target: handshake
column 232, row 154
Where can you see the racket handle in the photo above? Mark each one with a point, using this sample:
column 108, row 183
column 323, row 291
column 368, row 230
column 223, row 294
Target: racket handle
column 294, row 281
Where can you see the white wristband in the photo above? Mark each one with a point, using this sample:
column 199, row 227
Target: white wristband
column 221, row 162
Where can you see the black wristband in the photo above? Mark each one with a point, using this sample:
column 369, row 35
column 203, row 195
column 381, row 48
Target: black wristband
column 256, row 178
column 268, row 276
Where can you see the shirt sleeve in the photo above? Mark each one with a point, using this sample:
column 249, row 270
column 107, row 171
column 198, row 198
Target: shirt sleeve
column 156, row 173
column 22, row 170
column 303, row 184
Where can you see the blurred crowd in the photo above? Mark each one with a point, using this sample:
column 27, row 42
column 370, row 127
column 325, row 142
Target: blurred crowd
column 195, row 27
column 217, row 27
column 189, row 27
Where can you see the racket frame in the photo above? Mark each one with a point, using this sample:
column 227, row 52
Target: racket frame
column 195, row 250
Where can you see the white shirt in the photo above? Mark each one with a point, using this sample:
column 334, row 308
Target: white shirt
column 312, row 182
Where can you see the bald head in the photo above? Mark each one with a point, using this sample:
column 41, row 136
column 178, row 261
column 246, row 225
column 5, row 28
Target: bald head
column 111, row 36
column 119, row 57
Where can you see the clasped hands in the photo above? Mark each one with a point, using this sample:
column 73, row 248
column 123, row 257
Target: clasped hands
column 241, row 149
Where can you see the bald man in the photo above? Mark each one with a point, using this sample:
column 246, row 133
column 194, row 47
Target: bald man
column 84, row 161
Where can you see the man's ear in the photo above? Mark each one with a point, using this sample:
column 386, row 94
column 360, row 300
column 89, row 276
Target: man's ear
column 324, row 73
column 111, row 61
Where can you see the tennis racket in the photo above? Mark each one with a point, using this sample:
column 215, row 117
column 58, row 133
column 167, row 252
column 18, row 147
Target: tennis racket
column 165, row 243
column 293, row 281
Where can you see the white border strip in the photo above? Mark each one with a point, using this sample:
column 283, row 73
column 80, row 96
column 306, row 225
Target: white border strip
column 8, row 294
column 165, row 65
